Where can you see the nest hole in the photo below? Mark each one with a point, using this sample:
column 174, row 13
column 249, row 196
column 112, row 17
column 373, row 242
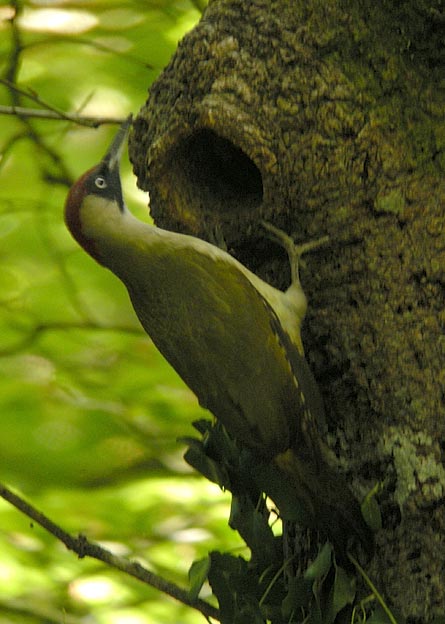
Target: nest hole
column 215, row 175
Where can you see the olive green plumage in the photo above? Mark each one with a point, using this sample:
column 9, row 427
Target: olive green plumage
column 234, row 339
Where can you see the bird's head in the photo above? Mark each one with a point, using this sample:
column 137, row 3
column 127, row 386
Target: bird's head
column 96, row 197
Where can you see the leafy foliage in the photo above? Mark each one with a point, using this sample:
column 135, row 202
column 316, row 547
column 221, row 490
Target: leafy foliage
column 264, row 587
column 89, row 411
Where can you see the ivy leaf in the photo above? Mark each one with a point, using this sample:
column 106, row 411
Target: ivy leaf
column 380, row 617
column 320, row 566
column 298, row 597
column 198, row 574
column 370, row 509
column 197, row 457
column 236, row 588
column 341, row 594
column 254, row 528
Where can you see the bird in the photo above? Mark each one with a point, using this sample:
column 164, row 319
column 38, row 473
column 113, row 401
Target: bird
column 233, row 338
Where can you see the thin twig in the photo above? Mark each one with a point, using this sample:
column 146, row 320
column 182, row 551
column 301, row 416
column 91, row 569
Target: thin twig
column 84, row 548
column 10, row 81
column 38, row 113
column 49, row 111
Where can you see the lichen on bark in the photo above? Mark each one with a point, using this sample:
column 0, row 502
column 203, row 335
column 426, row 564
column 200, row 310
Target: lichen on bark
column 328, row 118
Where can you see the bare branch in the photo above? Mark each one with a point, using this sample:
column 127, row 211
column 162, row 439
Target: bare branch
column 85, row 548
column 49, row 111
column 38, row 113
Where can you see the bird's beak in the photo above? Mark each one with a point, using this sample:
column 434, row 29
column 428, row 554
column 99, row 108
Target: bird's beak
column 113, row 156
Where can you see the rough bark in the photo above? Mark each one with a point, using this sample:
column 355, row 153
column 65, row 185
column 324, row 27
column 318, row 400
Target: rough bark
column 328, row 118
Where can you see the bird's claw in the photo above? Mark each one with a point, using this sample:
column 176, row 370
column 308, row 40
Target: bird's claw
column 293, row 250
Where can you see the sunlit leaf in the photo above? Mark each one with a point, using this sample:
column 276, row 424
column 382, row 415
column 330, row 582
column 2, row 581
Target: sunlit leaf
column 198, row 575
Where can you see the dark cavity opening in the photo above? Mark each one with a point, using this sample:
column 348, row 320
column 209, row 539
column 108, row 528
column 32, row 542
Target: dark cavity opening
column 220, row 176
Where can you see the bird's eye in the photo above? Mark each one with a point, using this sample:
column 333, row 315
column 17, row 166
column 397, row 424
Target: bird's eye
column 100, row 182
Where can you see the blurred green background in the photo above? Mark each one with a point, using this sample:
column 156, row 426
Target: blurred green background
column 89, row 411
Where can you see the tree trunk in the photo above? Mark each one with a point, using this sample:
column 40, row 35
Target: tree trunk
column 330, row 120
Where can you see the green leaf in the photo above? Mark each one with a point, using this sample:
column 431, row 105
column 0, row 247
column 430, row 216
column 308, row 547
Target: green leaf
column 320, row 567
column 342, row 593
column 370, row 509
column 197, row 457
column 198, row 575
column 298, row 596
column 371, row 513
column 253, row 527
column 203, row 426
column 380, row 617
column 236, row 587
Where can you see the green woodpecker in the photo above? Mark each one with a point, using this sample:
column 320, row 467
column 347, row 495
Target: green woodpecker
column 233, row 338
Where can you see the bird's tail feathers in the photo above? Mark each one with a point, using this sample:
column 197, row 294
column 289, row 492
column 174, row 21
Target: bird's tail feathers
column 327, row 500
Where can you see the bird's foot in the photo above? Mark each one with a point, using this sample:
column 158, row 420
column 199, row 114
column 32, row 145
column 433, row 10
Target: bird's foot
column 293, row 250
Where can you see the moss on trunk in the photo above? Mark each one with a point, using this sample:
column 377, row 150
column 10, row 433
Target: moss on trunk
column 328, row 118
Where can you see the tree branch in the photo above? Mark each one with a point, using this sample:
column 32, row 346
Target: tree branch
column 85, row 548
column 49, row 111
column 39, row 113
